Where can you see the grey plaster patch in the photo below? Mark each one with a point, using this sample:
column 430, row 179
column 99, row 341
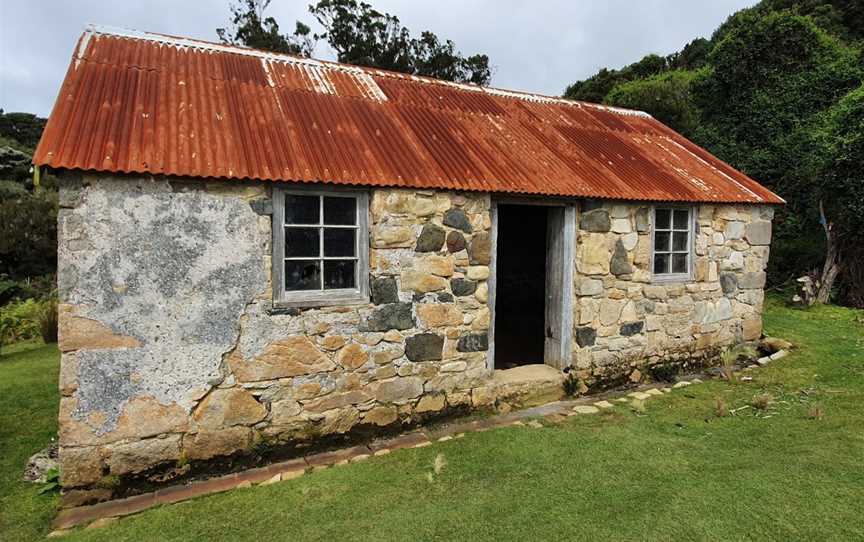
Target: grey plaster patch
column 173, row 269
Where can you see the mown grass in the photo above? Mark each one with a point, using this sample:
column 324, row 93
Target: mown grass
column 678, row 472
column 28, row 421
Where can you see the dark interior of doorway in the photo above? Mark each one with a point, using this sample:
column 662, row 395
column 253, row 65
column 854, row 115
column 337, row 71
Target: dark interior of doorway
column 520, row 285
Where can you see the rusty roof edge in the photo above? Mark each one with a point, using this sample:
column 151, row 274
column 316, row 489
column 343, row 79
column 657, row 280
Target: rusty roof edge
column 176, row 41
column 396, row 185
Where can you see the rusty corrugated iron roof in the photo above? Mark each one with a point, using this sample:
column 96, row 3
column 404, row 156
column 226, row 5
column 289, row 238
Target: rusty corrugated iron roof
column 136, row 102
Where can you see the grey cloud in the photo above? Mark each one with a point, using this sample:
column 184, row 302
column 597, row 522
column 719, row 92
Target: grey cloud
column 534, row 46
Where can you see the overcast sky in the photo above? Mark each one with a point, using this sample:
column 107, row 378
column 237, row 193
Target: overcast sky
column 538, row 46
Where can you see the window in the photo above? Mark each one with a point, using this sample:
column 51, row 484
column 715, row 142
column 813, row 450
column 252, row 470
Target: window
column 320, row 247
column 673, row 228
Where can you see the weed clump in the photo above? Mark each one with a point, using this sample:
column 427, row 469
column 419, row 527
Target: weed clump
column 761, row 401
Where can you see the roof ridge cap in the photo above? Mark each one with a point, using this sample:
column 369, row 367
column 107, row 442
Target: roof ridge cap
column 178, row 41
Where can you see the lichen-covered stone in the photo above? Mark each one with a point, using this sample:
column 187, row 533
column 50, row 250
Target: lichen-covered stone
column 140, row 455
column 456, row 218
column 421, row 282
column 631, row 328
column 391, row 316
column 381, row 416
column 227, row 407
column 586, row 336
column 434, row 315
column 384, row 290
column 480, row 251
column 462, row 287
column 475, row 342
column 398, row 390
column 728, row 283
column 759, row 233
column 431, row 238
column 392, row 237
column 424, row 347
column 620, row 265
column 292, row 356
column 643, row 220
column 352, row 356
column 206, row 444
column 455, row 241
column 596, row 220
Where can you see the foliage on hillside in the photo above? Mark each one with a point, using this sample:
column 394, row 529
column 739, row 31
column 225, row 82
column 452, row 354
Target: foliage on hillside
column 28, row 214
column 773, row 92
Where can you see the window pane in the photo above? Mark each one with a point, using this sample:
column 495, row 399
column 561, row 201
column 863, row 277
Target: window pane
column 302, row 242
column 661, row 263
column 679, row 263
column 661, row 241
column 339, row 242
column 679, row 240
column 662, row 219
column 339, row 274
column 302, row 209
column 302, row 275
column 340, row 211
column 681, row 219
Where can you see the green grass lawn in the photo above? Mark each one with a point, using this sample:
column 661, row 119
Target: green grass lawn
column 678, row 472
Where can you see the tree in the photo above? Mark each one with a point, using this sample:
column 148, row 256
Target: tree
column 838, row 165
column 249, row 27
column 665, row 96
column 359, row 35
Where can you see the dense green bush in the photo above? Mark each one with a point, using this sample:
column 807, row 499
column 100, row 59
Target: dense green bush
column 28, row 234
column 23, row 320
column 666, row 95
column 19, row 321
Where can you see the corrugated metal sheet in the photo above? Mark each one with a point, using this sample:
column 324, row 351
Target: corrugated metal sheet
column 145, row 103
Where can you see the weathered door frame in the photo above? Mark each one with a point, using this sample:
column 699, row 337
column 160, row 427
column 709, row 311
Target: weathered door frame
column 559, row 355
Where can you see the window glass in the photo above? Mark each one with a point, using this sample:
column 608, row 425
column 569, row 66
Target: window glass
column 302, row 275
column 679, row 241
column 302, row 242
column 340, row 211
column 661, row 263
column 320, row 242
column 682, row 221
column 339, row 274
column 661, row 241
column 672, row 231
column 679, row 263
column 302, row 209
column 662, row 219
column 339, row 242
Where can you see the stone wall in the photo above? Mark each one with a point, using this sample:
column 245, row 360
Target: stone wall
column 173, row 354
column 627, row 321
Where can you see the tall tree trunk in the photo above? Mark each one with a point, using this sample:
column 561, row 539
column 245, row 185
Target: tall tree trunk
column 831, row 268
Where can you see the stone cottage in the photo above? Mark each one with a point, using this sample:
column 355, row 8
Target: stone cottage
column 258, row 251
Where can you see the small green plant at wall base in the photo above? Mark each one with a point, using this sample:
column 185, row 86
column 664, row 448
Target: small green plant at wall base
column 728, row 359
column 571, row 385
column 52, row 482
column 109, row 481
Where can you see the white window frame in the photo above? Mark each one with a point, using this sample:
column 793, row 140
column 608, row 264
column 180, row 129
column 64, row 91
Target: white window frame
column 320, row 298
column 691, row 240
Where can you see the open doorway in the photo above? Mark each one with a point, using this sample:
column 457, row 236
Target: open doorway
column 520, row 285
column 531, row 306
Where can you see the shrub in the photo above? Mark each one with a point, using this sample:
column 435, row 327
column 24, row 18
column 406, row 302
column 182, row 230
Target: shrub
column 19, row 321
column 48, row 321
